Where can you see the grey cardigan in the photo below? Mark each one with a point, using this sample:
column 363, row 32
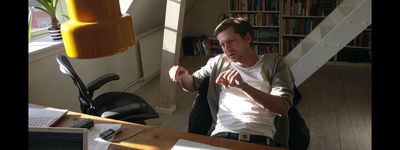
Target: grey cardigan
column 274, row 68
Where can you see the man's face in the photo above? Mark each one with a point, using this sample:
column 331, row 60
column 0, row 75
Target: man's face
column 233, row 45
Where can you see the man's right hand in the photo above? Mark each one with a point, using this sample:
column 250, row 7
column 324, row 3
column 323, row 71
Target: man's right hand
column 176, row 73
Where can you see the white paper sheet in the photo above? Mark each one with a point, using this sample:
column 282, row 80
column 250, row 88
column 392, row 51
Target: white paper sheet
column 191, row 145
column 97, row 143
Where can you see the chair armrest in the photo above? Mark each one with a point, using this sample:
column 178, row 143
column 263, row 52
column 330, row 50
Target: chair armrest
column 100, row 81
column 124, row 111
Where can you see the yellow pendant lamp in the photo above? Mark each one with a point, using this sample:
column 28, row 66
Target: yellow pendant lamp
column 96, row 29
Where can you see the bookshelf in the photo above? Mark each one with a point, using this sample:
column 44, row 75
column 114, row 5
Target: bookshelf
column 201, row 46
column 280, row 25
column 264, row 16
column 358, row 50
column 300, row 17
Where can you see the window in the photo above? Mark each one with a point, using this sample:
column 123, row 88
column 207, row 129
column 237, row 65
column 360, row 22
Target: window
column 41, row 21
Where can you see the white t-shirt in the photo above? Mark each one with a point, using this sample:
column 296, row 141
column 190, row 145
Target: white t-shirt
column 239, row 113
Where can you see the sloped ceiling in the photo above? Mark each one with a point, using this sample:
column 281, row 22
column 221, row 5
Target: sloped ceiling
column 147, row 14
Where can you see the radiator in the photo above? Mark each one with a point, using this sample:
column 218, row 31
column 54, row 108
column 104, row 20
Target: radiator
column 150, row 45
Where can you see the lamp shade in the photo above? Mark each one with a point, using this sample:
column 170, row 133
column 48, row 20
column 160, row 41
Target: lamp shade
column 96, row 29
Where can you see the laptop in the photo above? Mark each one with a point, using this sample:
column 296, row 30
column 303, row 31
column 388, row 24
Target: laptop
column 45, row 117
column 58, row 138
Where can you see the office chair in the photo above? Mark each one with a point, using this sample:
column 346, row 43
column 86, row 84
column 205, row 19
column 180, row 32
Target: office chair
column 291, row 130
column 116, row 105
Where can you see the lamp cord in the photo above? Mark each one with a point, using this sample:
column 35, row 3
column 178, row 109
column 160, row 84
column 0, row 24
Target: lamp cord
column 133, row 134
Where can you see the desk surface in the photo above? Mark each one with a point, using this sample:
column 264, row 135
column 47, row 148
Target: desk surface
column 154, row 137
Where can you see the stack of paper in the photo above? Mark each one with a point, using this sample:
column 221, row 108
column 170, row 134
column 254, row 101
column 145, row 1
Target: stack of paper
column 191, row 145
column 97, row 143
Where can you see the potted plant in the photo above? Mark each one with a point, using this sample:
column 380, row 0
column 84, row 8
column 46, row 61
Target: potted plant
column 50, row 8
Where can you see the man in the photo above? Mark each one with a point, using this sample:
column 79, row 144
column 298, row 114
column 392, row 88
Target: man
column 246, row 91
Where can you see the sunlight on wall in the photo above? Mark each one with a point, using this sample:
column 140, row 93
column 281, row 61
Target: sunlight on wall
column 125, row 4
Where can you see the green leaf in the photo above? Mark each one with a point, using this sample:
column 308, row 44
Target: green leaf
column 66, row 16
column 49, row 7
column 29, row 26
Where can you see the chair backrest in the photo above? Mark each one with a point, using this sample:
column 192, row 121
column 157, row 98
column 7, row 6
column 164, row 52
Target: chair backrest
column 85, row 99
column 200, row 118
column 299, row 134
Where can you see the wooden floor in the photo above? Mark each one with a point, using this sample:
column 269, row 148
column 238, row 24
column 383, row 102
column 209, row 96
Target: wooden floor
column 336, row 106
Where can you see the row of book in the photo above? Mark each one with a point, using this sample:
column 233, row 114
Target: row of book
column 362, row 40
column 289, row 44
column 254, row 5
column 301, row 26
column 266, row 48
column 259, row 19
column 205, row 46
column 201, row 46
column 266, row 35
column 309, row 7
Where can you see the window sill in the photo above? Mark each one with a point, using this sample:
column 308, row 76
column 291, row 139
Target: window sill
column 43, row 47
column 43, row 43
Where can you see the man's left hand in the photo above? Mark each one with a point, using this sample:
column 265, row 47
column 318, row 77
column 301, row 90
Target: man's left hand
column 230, row 78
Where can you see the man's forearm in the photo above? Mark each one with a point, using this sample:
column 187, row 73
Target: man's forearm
column 187, row 82
column 271, row 102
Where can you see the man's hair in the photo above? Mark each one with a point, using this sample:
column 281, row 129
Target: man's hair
column 240, row 25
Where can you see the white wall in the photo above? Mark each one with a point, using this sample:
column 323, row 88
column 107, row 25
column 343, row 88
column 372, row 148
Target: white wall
column 147, row 14
column 202, row 15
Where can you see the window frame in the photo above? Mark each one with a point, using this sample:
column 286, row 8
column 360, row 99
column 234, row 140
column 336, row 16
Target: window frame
column 61, row 9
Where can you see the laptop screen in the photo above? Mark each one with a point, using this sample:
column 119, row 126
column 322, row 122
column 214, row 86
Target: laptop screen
column 57, row 138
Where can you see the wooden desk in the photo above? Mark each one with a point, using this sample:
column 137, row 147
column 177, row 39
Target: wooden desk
column 152, row 137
